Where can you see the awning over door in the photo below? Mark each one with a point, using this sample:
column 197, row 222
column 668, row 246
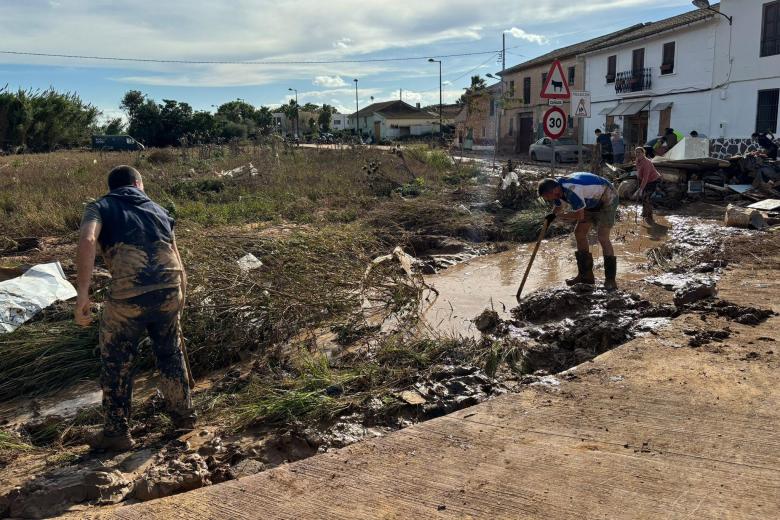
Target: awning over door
column 629, row 109
column 606, row 110
column 658, row 107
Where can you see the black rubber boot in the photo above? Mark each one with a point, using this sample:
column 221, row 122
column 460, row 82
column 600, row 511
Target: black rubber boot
column 610, row 272
column 584, row 269
column 100, row 441
column 184, row 422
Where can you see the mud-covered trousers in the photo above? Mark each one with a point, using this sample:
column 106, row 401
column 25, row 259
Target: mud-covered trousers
column 122, row 324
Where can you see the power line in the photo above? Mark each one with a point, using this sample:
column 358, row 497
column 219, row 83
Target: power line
column 462, row 75
column 237, row 62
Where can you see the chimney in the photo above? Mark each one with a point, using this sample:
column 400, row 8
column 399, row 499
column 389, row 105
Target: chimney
column 418, row 105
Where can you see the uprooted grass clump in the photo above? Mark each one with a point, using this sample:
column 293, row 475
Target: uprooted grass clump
column 526, row 224
column 46, row 356
column 431, row 216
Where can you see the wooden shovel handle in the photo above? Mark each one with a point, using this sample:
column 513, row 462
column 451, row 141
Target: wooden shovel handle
column 531, row 261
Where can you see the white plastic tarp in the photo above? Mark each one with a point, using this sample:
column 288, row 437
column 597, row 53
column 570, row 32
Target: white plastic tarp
column 23, row 297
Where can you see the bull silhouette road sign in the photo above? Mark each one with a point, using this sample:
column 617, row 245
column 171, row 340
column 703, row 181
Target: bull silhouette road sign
column 556, row 86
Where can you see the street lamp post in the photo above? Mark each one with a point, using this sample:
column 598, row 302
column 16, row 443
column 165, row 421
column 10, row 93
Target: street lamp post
column 441, row 128
column 297, row 113
column 357, row 109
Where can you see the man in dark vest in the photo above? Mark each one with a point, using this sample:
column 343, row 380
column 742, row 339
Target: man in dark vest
column 146, row 294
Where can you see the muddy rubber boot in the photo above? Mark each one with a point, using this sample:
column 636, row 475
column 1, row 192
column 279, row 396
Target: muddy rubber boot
column 610, row 272
column 184, row 422
column 584, row 269
column 100, row 441
column 647, row 212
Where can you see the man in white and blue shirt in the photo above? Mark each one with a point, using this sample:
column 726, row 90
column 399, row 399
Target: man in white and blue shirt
column 593, row 201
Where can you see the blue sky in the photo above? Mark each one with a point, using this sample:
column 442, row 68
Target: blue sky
column 284, row 30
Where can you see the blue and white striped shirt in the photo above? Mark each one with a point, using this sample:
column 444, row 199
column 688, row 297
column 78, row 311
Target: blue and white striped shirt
column 586, row 190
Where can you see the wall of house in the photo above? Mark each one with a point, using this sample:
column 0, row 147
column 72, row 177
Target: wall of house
column 740, row 71
column 687, row 87
column 392, row 128
column 339, row 122
column 476, row 116
column 515, row 106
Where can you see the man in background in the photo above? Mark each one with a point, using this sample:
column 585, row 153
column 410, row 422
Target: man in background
column 606, row 146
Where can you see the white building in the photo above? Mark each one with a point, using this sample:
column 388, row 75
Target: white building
column 696, row 71
column 394, row 119
column 746, row 77
column 339, row 122
column 655, row 77
column 286, row 126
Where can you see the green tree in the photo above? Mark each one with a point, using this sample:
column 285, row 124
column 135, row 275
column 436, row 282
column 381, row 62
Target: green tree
column 175, row 122
column 131, row 102
column 113, row 126
column 264, row 119
column 203, row 126
column 290, row 110
column 477, row 86
column 237, row 111
column 43, row 121
column 310, row 107
column 323, row 119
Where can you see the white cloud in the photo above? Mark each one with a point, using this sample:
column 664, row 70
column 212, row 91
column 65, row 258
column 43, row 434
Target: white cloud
column 533, row 38
column 342, row 43
column 427, row 98
column 247, row 30
column 329, row 81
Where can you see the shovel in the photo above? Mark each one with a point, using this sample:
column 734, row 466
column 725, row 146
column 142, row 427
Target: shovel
column 533, row 255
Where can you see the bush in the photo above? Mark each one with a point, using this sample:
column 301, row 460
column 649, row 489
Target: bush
column 161, row 156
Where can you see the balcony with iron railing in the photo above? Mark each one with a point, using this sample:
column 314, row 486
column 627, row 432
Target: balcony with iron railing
column 635, row 80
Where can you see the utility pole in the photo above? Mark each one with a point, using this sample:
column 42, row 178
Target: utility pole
column 357, row 109
column 500, row 108
column 503, row 51
column 441, row 127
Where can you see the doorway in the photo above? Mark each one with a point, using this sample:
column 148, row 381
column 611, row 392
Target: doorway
column 525, row 133
column 377, row 131
column 635, row 129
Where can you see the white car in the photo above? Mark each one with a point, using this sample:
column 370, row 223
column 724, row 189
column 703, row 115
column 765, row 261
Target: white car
column 565, row 150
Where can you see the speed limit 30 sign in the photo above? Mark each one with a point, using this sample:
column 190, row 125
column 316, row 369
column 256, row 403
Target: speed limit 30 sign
column 554, row 123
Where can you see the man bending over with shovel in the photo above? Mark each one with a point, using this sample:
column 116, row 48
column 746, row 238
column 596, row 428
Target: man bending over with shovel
column 594, row 201
column 147, row 289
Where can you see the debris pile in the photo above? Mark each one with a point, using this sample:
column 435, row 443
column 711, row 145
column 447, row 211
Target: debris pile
column 689, row 174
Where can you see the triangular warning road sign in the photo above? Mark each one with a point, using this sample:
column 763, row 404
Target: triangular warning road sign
column 556, row 86
column 581, row 111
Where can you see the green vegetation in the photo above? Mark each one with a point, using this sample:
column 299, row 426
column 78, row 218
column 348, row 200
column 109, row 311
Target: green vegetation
column 46, row 356
column 525, row 225
column 11, row 442
column 44, row 121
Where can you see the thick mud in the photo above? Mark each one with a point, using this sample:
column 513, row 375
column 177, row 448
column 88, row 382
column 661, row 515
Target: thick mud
column 491, row 281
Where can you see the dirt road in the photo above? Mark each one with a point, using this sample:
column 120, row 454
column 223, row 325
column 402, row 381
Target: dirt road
column 656, row 428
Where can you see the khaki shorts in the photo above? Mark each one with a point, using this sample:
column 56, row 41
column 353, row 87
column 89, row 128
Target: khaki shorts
column 605, row 216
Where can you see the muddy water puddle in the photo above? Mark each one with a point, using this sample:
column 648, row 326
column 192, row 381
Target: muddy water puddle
column 492, row 280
